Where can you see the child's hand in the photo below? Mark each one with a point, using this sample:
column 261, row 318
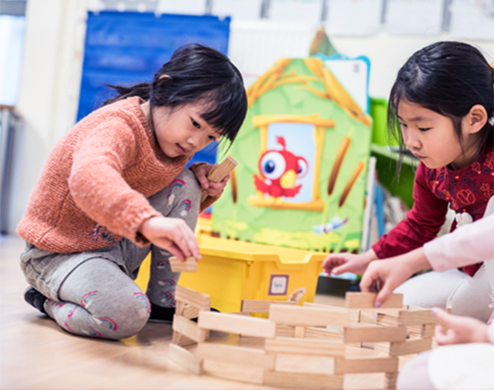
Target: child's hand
column 386, row 275
column 339, row 263
column 172, row 234
column 211, row 188
column 461, row 329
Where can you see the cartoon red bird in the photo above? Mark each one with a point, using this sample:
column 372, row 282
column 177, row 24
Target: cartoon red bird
column 280, row 170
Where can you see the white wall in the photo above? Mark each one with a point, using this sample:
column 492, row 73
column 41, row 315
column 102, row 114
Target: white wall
column 53, row 62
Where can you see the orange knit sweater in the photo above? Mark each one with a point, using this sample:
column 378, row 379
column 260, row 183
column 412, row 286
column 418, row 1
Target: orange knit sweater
column 93, row 187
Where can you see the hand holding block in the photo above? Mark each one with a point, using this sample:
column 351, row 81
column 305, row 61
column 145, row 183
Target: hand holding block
column 219, row 172
column 189, row 265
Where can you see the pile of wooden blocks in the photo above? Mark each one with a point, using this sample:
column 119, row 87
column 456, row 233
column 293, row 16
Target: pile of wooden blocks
column 312, row 330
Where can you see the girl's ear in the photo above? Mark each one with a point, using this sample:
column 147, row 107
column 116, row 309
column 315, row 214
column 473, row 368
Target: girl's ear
column 476, row 119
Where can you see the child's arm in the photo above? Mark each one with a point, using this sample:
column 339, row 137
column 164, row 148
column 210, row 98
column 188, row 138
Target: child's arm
column 172, row 234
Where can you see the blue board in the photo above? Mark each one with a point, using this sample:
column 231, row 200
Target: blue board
column 129, row 47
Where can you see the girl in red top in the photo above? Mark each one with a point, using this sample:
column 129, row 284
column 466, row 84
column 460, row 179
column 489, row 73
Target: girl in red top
column 116, row 188
column 442, row 100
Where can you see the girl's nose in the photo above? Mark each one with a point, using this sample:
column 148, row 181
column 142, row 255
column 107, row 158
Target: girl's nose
column 411, row 140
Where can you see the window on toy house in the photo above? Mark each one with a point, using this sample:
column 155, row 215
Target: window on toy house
column 289, row 161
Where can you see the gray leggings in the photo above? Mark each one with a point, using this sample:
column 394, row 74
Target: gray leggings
column 93, row 293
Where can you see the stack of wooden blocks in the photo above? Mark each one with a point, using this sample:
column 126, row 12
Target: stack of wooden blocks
column 311, row 330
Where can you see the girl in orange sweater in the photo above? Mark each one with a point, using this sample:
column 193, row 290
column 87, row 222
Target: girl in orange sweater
column 116, row 188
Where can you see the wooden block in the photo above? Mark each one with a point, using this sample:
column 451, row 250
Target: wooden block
column 307, row 316
column 190, row 312
column 232, row 323
column 179, row 308
column 189, row 329
column 236, row 355
column 258, row 306
column 322, row 334
column 427, row 331
column 186, row 359
column 193, row 298
column 360, row 300
column 387, row 319
column 285, row 330
column 382, row 347
column 365, row 365
column 188, row 265
column 311, row 347
column 354, row 314
column 219, row 172
column 302, row 381
column 182, row 341
column 299, row 332
column 416, row 317
column 390, row 380
column 410, row 347
column 369, row 333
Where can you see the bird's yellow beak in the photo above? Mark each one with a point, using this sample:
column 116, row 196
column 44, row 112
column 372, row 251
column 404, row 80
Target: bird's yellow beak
column 288, row 179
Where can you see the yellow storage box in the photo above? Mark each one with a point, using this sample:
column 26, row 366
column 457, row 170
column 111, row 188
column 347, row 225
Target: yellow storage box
column 230, row 271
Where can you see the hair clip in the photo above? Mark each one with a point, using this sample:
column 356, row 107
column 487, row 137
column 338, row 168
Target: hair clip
column 491, row 120
column 164, row 76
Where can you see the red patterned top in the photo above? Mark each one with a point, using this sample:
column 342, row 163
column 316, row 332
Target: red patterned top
column 465, row 190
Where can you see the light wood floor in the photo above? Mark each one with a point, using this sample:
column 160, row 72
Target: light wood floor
column 36, row 354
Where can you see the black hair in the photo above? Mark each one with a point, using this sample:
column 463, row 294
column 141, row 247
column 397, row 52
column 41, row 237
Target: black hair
column 196, row 73
column 448, row 78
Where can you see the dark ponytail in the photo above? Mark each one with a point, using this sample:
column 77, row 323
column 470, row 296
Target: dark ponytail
column 194, row 74
column 448, row 78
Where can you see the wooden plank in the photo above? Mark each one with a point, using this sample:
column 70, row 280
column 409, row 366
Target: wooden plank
column 360, row 300
column 416, row 317
column 236, row 355
column 299, row 332
column 182, row 341
column 365, row 365
column 307, row 316
column 390, row 380
column 302, row 380
column 427, row 331
column 387, row 319
column 410, row 347
column 188, row 265
column 186, row 359
column 372, row 334
column 354, row 313
column 322, row 333
column 232, row 323
column 193, row 298
column 219, row 172
column 189, row 329
column 285, row 330
column 258, row 306
column 311, row 347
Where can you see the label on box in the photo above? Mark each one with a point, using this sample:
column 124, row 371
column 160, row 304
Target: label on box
column 278, row 285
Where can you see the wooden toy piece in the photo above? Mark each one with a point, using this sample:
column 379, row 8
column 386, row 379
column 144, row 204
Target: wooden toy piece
column 192, row 298
column 365, row 365
column 369, row 333
column 189, row 329
column 427, row 331
column 189, row 265
column 355, row 300
column 232, row 323
column 288, row 345
column 410, row 347
column 390, row 380
column 283, row 330
column 416, row 317
column 322, row 334
column 300, row 380
column 258, row 306
column 219, row 172
column 306, row 316
column 299, row 332
column 236, row 355
column 354, row 313
column 186, row 359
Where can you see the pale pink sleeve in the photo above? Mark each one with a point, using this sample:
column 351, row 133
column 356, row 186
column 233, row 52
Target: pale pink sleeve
column 468, row 244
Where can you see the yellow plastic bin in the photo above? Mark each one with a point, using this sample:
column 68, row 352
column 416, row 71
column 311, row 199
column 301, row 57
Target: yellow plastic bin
column 230, row 271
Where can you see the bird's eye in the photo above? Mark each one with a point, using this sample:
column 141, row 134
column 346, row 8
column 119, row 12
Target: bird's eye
column 272, row 165
column 303, row 167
